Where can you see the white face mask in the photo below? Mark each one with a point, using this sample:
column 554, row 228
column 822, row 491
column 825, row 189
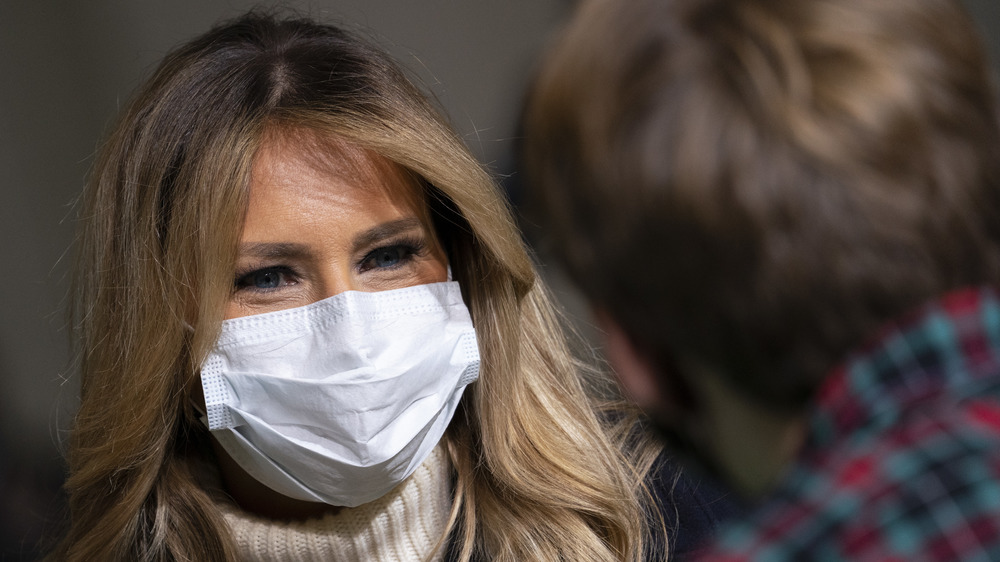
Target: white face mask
column 341, row 400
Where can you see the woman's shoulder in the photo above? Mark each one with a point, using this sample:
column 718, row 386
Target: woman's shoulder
column 691, row 504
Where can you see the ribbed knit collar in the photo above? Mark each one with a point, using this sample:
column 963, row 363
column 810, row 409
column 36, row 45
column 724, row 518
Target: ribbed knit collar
column 406, row 525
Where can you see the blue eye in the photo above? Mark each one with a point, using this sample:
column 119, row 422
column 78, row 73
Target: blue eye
column 264, row 279
column 388, row 257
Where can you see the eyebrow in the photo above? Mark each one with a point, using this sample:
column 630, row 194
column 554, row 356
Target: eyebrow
column 274, row 250
column 291, row 250
column 389, row 229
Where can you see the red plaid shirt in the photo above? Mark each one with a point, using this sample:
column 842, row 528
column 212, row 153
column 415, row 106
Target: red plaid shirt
column 902, row 457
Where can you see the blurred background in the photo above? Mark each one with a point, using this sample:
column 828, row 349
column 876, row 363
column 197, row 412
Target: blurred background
column 66, row 67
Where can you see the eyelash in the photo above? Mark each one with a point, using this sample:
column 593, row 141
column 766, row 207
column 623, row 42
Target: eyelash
column 410, row 247
column 244, row 278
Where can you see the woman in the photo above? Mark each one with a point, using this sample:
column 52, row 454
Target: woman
column 274, row 169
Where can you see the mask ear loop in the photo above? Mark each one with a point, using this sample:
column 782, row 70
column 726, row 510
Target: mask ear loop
column 199, row 409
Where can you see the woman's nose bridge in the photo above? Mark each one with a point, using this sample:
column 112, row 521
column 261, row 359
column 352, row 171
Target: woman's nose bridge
column 335, row 279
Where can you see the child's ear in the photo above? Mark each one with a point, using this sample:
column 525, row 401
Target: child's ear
column 636, row 373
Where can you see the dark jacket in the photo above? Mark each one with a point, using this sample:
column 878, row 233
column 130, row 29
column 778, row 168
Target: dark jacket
column 692, row 507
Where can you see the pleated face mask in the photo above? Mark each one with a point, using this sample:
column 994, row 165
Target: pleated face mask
column 341, row 400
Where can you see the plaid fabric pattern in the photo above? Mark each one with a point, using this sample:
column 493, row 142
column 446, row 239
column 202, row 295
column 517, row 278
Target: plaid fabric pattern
column 902, row 457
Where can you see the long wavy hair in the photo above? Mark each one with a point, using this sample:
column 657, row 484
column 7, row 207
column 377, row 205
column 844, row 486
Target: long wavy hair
column 540, row 473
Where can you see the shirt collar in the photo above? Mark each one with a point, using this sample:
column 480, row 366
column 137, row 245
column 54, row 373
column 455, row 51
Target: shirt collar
column 951, row 345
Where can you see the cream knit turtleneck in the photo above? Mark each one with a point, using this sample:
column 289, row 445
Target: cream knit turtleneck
column 405, row 524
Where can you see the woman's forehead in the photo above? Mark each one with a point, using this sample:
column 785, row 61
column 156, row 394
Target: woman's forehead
column 286, row 149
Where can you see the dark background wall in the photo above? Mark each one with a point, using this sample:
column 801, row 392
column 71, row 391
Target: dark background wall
column 65, row 69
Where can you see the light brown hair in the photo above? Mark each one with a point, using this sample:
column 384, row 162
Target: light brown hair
column 757, row 185
column 538, row 475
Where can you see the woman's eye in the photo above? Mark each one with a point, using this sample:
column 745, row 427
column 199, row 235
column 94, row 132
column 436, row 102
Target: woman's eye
column 264, row 279
column 387, row 257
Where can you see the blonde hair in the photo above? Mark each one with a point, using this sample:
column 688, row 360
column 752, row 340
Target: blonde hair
column 540, row 476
